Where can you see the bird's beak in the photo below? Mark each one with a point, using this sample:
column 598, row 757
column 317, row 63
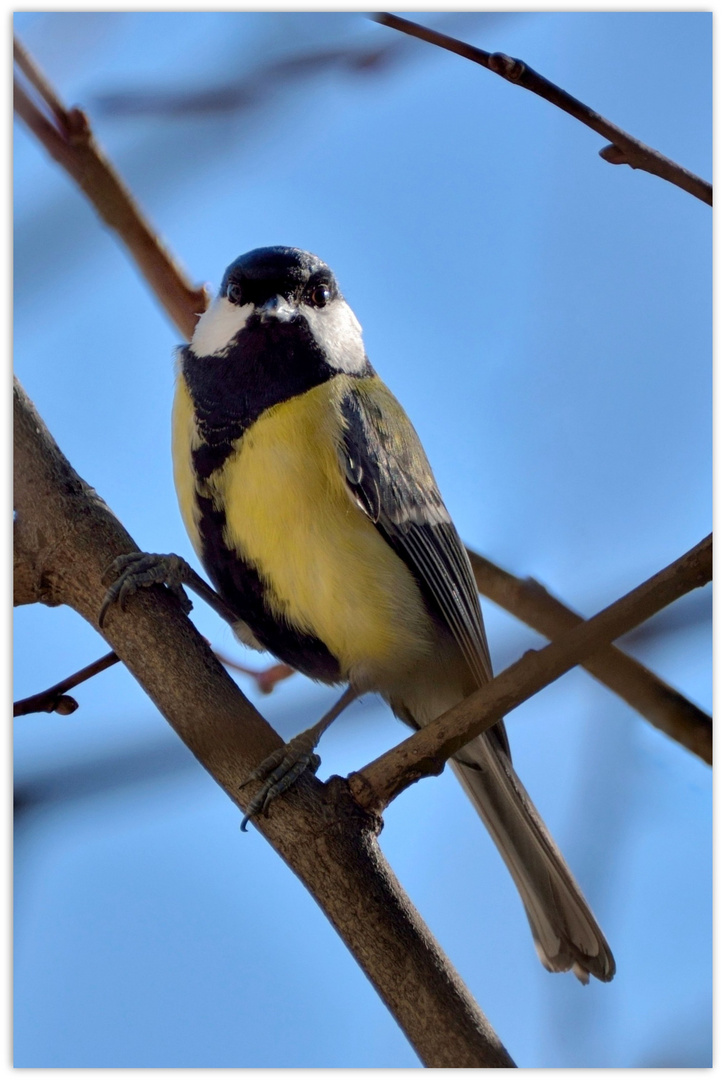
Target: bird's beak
column 277, row 308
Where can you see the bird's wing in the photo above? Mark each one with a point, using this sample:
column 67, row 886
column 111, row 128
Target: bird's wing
column 388, row 474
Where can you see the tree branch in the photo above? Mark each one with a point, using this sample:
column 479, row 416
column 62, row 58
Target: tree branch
column 67, row 137
column 426, row 752
column 28, row 585
column 662, row 705
column 625, row 150
column 56, row 698
column 318, row 829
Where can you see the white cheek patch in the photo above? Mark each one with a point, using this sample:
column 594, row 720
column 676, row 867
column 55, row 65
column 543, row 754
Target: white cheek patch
column 338, row 333
column 218, row 326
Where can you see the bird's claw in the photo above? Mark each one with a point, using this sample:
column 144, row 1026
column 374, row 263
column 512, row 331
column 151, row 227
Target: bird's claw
column 139, row 570
column 279, row 771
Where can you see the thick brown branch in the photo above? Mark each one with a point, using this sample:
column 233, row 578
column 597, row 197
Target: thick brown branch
column 625, row 149
column 27, row 578
column 67, row 137
column 55, row 698
column 318, row 829
column 425, row 752
column 665, row 708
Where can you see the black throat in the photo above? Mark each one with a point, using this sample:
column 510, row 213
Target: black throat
column 267, row 363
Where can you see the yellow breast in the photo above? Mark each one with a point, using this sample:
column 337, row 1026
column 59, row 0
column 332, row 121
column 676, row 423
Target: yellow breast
column 327, row 569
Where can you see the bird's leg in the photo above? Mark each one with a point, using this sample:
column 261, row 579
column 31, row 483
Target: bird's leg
column 139, row 570
column 282, row 768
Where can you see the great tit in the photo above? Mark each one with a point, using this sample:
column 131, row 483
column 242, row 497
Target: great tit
column 309, row 500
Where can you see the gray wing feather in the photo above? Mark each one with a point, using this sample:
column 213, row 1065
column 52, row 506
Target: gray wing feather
column 390, row 477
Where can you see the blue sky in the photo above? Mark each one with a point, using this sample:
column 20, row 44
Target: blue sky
column 545, row 318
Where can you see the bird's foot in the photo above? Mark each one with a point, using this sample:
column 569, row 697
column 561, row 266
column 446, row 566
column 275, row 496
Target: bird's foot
column 139, row 570
column 281, row 770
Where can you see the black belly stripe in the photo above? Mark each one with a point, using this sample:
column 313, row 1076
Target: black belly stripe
column 208, row 457
column 240, row 585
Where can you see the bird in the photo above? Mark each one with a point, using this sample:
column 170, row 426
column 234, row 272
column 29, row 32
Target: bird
column 312, row 506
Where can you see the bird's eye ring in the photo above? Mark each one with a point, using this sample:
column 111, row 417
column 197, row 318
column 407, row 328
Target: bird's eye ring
column 320, row 295
column 233, row 292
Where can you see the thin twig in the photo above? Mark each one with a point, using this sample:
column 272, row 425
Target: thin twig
column 67, row 136
column 36, row 78
column 251, row 87
column 660, row 704
column 56, row 698
column 625, row 150
column 426, row 751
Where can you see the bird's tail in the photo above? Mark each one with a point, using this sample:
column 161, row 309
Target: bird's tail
column 563, row 926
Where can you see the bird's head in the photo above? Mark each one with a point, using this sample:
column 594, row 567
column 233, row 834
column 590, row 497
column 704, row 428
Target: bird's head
column 280, row 294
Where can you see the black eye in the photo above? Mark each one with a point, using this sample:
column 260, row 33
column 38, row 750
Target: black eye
column 233, row 292
column 320, row 295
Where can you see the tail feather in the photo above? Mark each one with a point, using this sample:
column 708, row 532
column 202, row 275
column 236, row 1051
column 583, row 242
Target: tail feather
column 566, row 933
